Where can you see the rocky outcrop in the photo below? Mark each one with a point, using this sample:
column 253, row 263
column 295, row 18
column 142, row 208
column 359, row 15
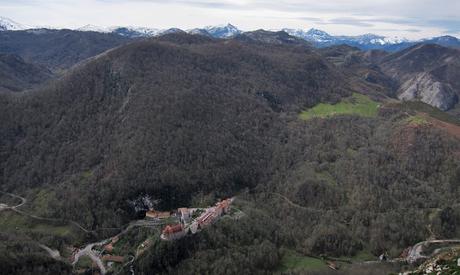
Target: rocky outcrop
column 429, row 73
column 427, row 89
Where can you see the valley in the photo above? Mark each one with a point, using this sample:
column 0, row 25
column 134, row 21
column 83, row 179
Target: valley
column 101, row 252
column 225, row 152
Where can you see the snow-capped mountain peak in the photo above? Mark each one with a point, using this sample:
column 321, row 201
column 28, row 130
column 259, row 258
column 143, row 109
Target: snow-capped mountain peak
column 319, row 35
column 316, row 37
column 171, row 30
column 368, row 38
column 134, row 32
column 373, row 39
column 7, row 24
column 316, row 32
column 222, row 31
column 199, row 31
column 94, row 28
column 322, row 38
column 312, row 35
column 396, row 40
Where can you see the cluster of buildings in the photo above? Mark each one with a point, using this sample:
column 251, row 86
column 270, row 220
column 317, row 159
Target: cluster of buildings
column 188, row 225
column 102, row 253
column 108, row 250
column 153, row 214
column 109, row 247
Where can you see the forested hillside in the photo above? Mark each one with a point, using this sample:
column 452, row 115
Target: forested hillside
column 17, row 75
column 160, row 117
column 57, row 49
column 323, row 160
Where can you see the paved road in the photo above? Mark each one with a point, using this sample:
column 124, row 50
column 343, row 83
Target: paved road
column 416, row 251
column 88, row 251
column 24, row 201
column 52, row 252
column 5, row 206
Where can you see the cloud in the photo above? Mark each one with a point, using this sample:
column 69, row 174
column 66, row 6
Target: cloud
column 347, row 21
column 413, row 17
column 310, row 19
column 394, row 30
column 449, row 25
column 412, row 30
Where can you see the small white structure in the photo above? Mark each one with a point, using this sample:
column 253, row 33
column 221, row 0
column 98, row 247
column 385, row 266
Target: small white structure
column 194, row 227
column 185, row 215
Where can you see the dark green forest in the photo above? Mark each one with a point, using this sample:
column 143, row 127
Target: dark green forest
column 187, row 119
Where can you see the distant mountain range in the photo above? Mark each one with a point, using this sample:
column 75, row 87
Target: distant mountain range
column 321, row 38
column 7, row 24
column 368, row 41
column 187, row 118
column 316, row 37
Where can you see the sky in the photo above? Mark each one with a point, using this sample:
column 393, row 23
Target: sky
column 412, row 19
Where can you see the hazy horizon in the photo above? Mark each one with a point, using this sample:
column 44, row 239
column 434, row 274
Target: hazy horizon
column 410, row 19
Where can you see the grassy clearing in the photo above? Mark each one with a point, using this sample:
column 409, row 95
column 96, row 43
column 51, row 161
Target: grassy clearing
column 84, row 262
column 357, row 104
column 416, row 120
column 62, row 231
column 16, row 223
column 10, row 221
column 295, row 261
column 351, row 152
column 130, row 242
column 39, row 201
column 327, row 177
column 363, row 256
column 86, row 174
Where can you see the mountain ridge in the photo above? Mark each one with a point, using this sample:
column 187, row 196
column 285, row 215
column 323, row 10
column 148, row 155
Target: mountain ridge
column 317, row 37
column 7, row 24
column 186, row 119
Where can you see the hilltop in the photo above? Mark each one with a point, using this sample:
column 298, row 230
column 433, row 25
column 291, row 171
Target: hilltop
column 326, row 162
column 318, row 38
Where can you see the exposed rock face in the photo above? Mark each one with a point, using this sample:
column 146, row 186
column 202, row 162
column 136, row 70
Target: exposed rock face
column 429, row 73
column 425, row 88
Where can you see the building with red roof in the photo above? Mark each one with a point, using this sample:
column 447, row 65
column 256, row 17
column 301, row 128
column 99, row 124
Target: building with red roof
column 172, row 232
column 152, row 214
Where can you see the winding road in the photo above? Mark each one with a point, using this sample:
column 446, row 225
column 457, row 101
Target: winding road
column 55, row 254
column 416, row 251
column 88, row 249
column 24, row 201
column 5, row 206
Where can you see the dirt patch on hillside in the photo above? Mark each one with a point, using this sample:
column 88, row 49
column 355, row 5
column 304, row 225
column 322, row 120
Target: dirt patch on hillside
column 405, row 137
column 451, row 129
